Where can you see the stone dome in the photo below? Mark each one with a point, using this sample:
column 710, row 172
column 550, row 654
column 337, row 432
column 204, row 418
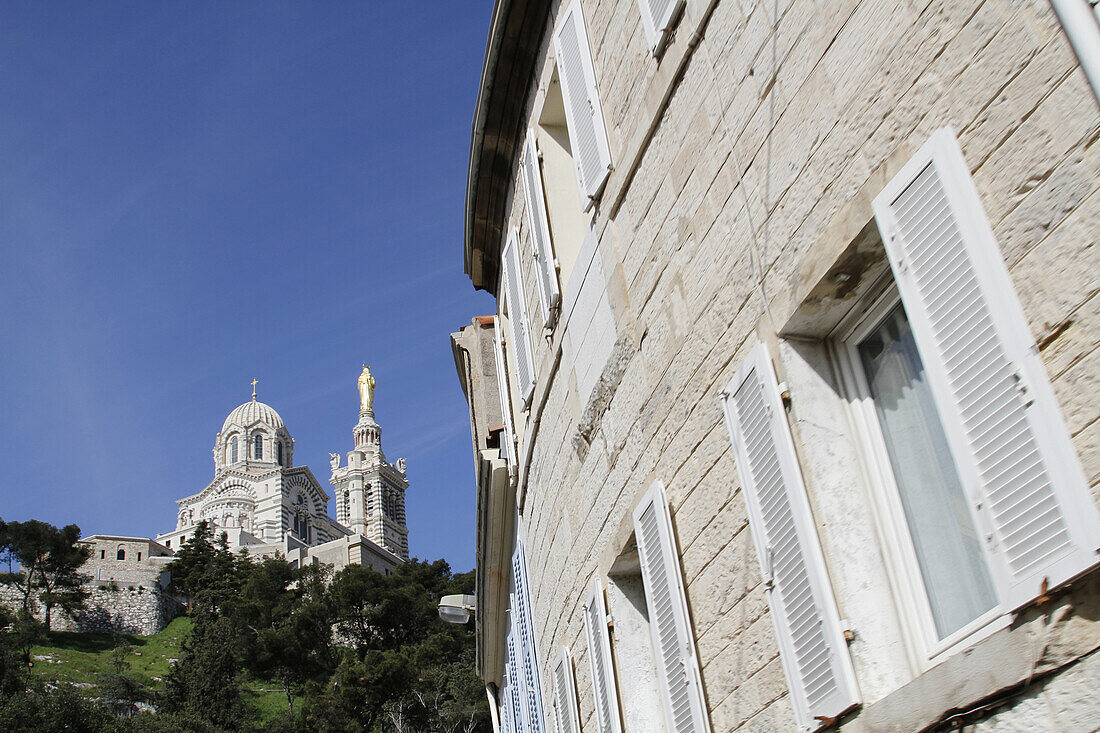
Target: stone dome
column 251, row 412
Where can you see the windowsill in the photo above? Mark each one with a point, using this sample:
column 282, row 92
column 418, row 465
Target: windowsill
column 1039, row 641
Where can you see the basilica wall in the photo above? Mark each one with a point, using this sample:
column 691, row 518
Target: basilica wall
column 739, row 211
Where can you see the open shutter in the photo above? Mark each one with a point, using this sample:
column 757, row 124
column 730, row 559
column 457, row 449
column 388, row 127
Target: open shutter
column 657, row 16
column 565, row 695
column 1010, row 443
column 599, row 659
column 514, row 671
column 507, row 439
column 545, row 266
column 522, row 620
column 673, row 641
column 504, row 702
column 811, row 643
column 583, row 114
column 519, row 332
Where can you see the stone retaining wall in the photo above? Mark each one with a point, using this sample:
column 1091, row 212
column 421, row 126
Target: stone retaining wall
column 141, row 611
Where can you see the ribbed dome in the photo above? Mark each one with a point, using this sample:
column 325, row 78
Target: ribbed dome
column 252, row 411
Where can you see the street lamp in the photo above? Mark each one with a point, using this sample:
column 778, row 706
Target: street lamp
column 456, row 609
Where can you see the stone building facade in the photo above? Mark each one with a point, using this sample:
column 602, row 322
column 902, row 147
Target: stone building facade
column 795, row 365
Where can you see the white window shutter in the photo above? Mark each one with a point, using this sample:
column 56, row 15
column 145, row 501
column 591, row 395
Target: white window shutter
column 673, row 640
column 522, row 620
column 545, row 265
column 507, row 438
column 811, row 642
column 505, row 704
column 583, row 113
column 657, row 18
column 519, row 330
column 565, row 695
column 599, row 660
column 1010, row 443
column 517, row 711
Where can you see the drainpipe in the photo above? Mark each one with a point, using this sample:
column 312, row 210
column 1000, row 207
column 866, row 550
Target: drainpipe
column 1079, row 21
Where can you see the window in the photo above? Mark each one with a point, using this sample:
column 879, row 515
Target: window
column 587, row 134
column 975, row 489
column 565, row 695
column 279, row 452
column 657, row 20
column 812, row 648
column 121, row 554
column 546, row 274
column 1002, row 421
column 519, row 341
column 139, row 556
column 523, row 659
column 892, row 387
column 669, row 621
column 599, row 658
column 258, row 446
column 102, row 554
column 233, row 449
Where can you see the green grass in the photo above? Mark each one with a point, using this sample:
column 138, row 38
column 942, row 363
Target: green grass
column 81, row 658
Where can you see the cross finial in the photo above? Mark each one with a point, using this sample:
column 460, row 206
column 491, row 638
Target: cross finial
column 254, row 383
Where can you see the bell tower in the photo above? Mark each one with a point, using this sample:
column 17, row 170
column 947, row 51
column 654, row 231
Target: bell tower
column 370, row 492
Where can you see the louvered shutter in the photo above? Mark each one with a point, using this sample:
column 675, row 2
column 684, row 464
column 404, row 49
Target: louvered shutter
column 599, row 660
column 673, row 641
column 565, row 695
column 583, row 114
column 519, row 332
column 1027, row 489
column 526, row 634
column 514, row 668
column 545, row 266
column 811, row 643
column 504, row 702
column 657, row 18
column 507, row 439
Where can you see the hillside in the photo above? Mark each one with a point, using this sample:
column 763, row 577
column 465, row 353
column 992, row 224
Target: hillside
column 80, row 659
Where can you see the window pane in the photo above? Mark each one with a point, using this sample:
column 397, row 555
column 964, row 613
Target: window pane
column 956, row 577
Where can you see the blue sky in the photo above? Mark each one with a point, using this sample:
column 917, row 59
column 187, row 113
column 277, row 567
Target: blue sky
column 193, row 195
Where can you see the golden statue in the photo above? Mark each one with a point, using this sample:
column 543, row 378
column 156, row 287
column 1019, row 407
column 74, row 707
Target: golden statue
column 366, row 390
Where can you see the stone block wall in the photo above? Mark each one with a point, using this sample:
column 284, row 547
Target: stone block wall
column 142, row 611
column 787, row 118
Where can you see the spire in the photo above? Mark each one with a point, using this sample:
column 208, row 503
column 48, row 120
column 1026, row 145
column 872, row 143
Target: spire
column 254, row 383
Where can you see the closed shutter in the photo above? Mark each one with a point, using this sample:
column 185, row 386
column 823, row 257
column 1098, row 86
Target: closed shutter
column 599, row 659
column 583, row 114
column 519, row 331
column 545, row 266
column 1027, row 489
column 507, row 438
column 565, row 695
column 657, row 16
column 526, row 633
column 673, row 641
column 811, row 643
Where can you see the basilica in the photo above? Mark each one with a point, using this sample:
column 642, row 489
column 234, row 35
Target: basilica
column 266, row 505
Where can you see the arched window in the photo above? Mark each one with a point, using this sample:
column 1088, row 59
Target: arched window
column 121, row 554
column 233, row 449
column 279, row 452
column 258, row 446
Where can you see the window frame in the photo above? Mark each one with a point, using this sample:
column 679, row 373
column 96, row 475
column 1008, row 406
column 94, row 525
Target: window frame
column 923, row 644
